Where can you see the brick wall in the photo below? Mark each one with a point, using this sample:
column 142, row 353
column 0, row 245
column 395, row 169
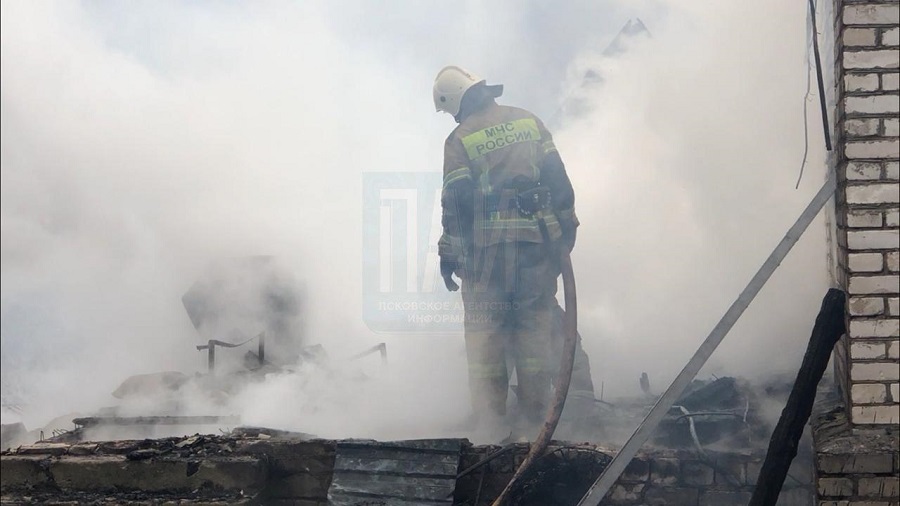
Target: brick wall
column 867, row 150
column 856, row 440
column 657, row 477
column 854, row 467
column 230, row 470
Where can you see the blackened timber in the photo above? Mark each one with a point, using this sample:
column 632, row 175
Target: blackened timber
column 828, row 329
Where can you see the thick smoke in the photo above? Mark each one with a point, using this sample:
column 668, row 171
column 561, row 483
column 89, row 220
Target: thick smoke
column 142, row 143
column 686, row 161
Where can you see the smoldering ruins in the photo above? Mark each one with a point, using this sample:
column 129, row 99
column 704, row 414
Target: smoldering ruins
column 155, row 446
column 708, row 451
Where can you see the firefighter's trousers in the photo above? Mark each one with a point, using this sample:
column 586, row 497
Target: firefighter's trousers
column 509, row 296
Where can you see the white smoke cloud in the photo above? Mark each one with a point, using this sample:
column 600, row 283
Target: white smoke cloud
column 686, row 167
column 140, row 143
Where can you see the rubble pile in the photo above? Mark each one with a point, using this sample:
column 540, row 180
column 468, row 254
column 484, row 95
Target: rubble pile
column 253, row 465
column 707, row 450
column 226, row 469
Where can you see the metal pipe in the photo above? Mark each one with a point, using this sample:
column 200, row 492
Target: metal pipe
column 261, row 351
column 819, row 79
column 381, row 348
column 211, row 356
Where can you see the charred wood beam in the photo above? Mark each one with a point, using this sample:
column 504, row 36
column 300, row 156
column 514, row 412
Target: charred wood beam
column 828, row 329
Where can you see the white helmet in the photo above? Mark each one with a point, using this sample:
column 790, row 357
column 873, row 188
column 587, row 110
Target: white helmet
column 450, row 85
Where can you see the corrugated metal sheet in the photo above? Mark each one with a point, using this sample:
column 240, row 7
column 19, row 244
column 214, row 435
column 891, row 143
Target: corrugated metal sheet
column 392, row 473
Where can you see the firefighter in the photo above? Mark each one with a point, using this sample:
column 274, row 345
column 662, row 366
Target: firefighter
column 507, row 204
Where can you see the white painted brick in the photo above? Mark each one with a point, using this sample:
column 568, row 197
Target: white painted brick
column 857, row 171
column 879, row 193
column 868, row 351
column 864, row 240
column 873, row 239
column 867, row 14
column 893, row 261
column 861, row 127
column 865, row 262
column 861, row 285
column 874, row 371
column 874, row 59
column 862, row 218
column 892, row 170
column 875, row 328
column 889, row 37
column 860, row 36
column 872, row 149
column 868, row 393
column 889, row 82
column 895, row 392
column 871, row 415
column 874, row 104
column 894, row 310
column 866, row 306
column 892, row 218
column 894, row 352
column 861, row 82
column 891, row 127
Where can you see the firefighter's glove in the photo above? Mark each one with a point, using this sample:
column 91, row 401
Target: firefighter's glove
column 447, row 268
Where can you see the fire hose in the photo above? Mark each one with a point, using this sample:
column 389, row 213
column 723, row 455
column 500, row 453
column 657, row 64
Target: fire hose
column 563, row 378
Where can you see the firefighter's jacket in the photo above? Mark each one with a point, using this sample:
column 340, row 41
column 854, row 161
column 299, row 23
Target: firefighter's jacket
column 489, row 158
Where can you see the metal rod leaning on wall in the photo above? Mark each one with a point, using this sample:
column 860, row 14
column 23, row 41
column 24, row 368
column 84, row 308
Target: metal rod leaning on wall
column 598, row 490
column 819, row 79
